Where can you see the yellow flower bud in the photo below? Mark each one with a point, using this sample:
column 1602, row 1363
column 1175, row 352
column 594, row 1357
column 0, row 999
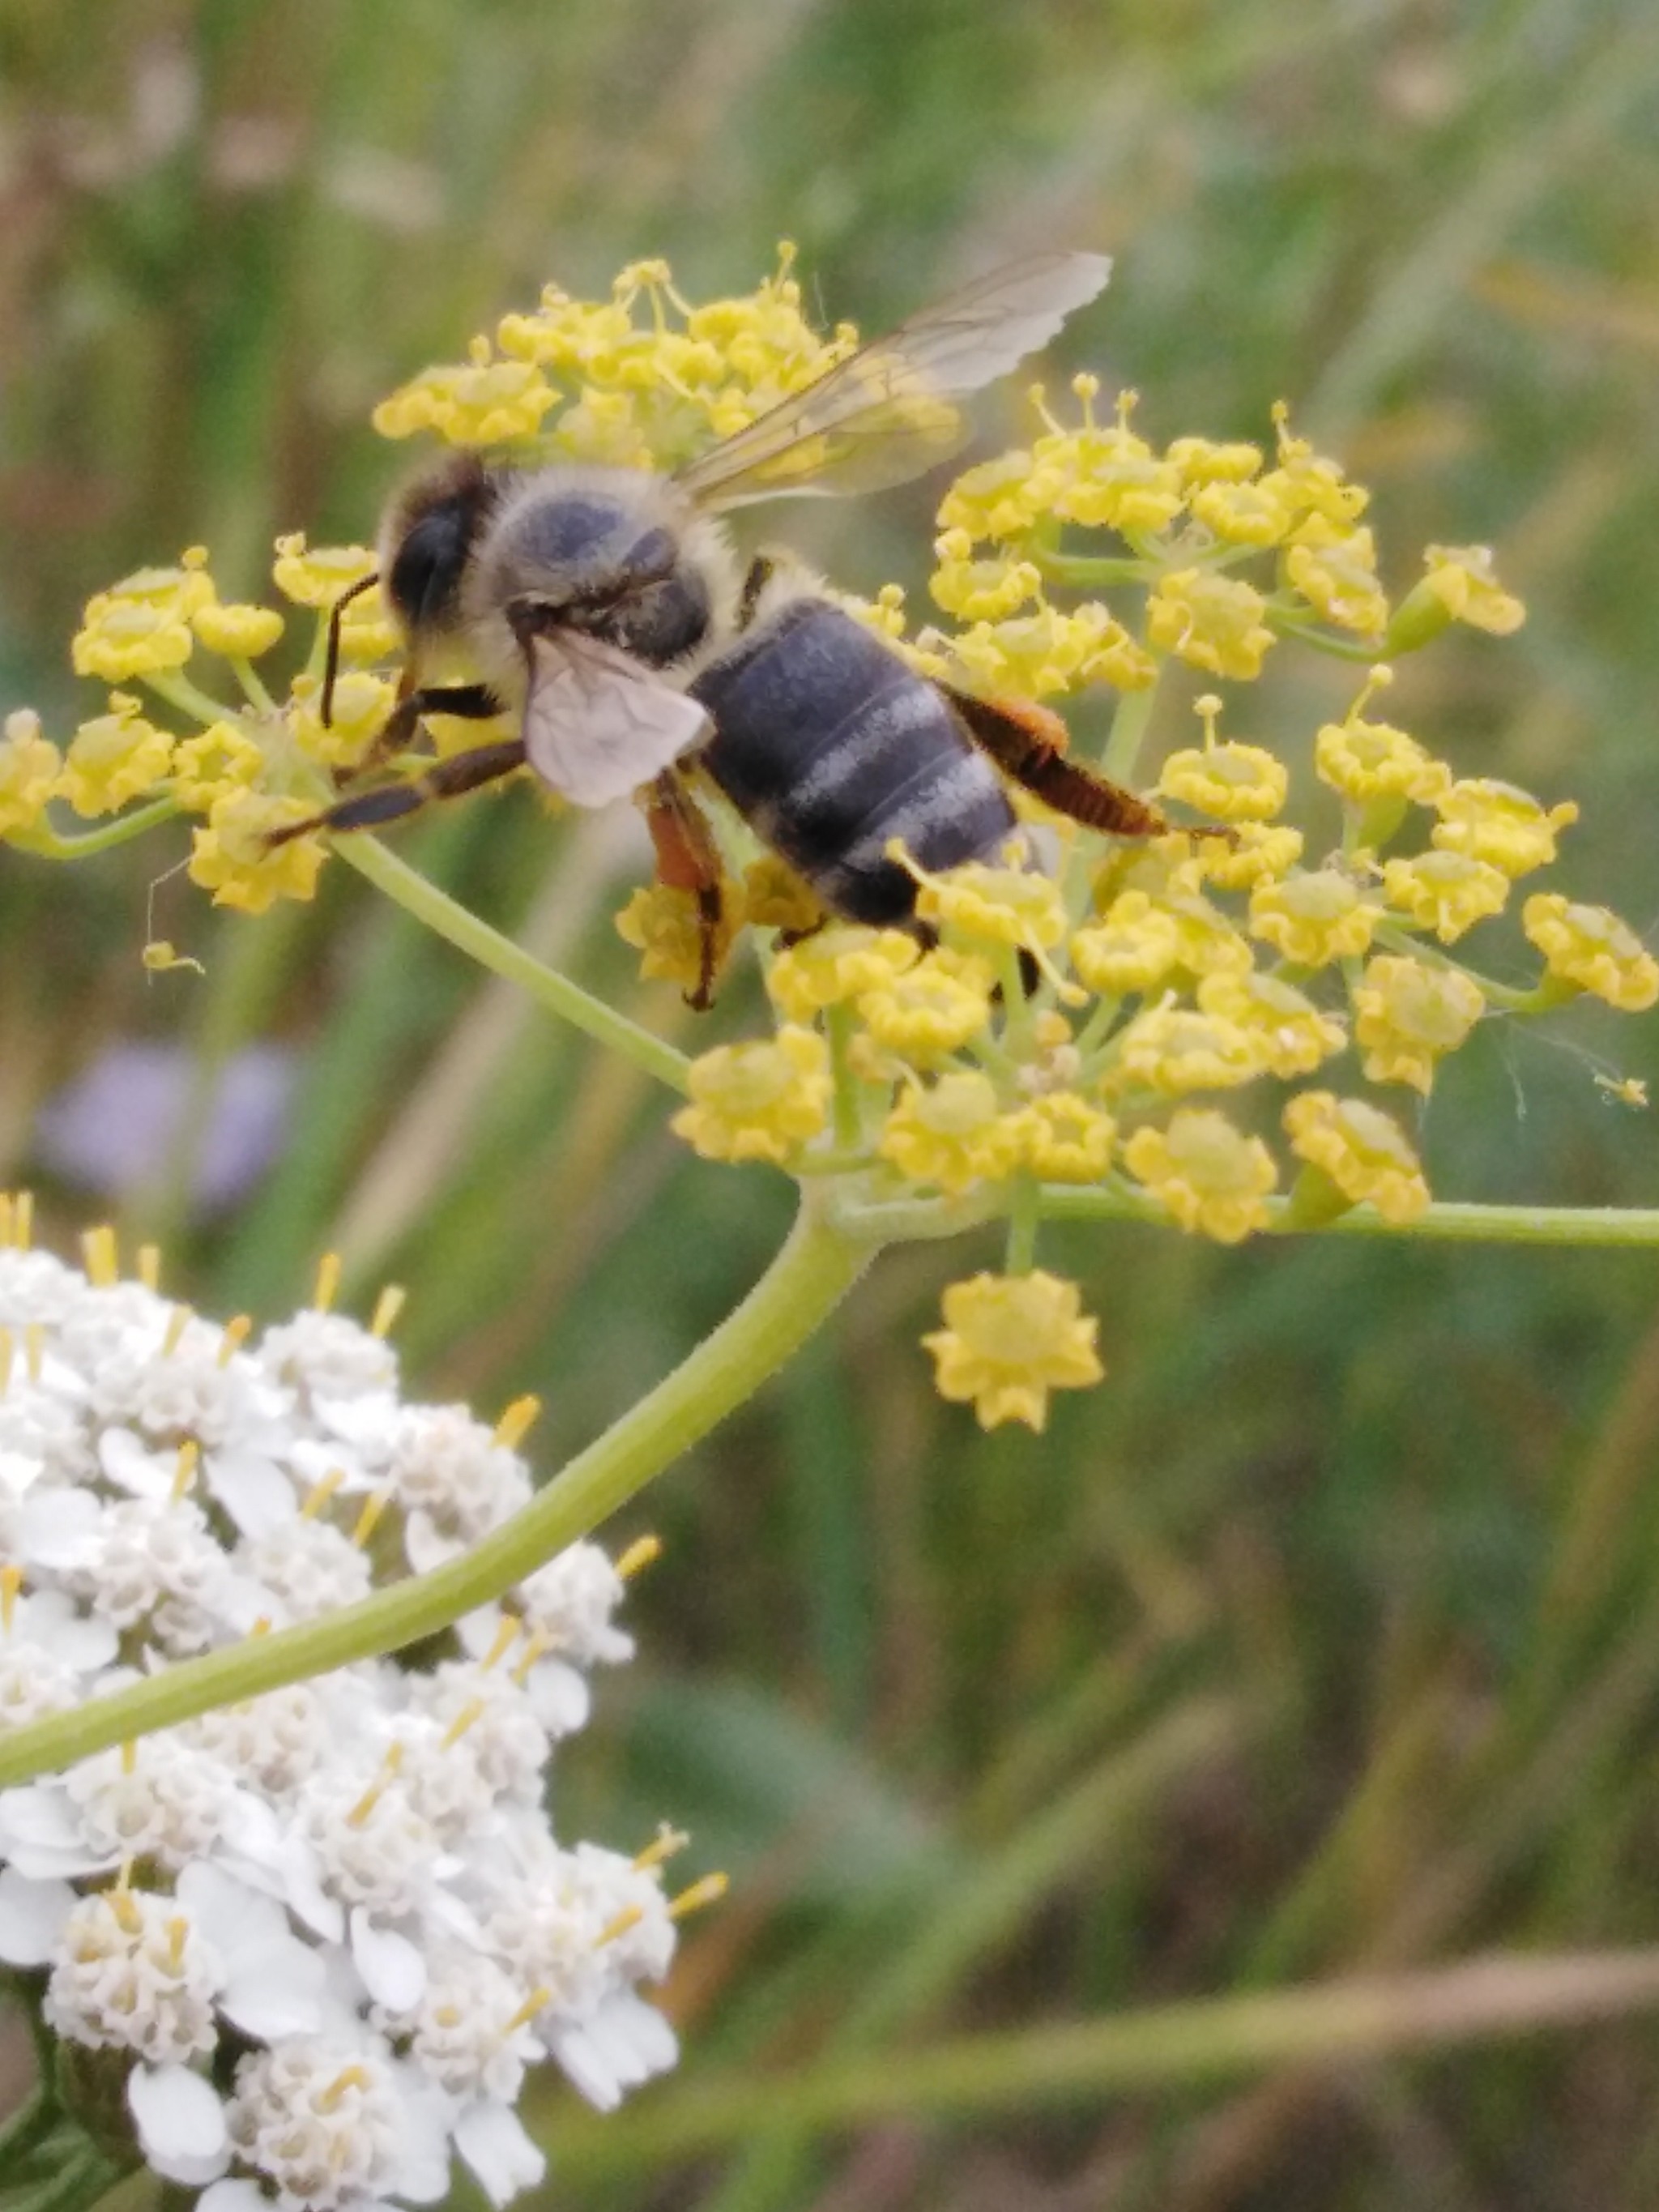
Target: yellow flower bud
column 1495, row 822
column 1593, row 948
column 950, row 1132
column 1409, row 1015
column 1446, row 892
column 1008, row 1342
column 758, row 1101
column 1210, row 1175
column 1361, row 1149
column 1314, row 918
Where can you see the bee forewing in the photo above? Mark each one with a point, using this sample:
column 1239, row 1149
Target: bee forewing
column 885, row 413
column 595, row 727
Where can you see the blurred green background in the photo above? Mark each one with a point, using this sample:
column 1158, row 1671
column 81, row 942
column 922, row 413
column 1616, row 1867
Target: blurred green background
column 1324, row 1637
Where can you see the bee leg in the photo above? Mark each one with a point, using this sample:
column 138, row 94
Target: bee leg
column 448, row 779
column 331, row 665
column 469, row 703
column 688, row 860
column 1028, row 743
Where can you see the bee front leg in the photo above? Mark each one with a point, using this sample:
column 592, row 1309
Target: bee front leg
column 688, row 860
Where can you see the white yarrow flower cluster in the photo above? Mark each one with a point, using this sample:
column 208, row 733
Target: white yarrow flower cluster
column 325, row 1933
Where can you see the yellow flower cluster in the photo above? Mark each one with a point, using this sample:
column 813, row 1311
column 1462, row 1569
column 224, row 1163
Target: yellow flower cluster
column 1137, row 1022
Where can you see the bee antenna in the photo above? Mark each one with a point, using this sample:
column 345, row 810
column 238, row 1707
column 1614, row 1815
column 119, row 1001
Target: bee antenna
column 332, row 665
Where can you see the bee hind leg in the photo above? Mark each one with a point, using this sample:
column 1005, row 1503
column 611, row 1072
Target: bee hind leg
column 1028, row 743
column 390, row 802
column 688, row 860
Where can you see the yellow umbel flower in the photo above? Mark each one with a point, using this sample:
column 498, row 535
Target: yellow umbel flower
column 776, row 897
column 1258, row 852
column 1308, row 483
column 120, row 638
column 1361, row 1149
column 1132, row 949
column 231, row 858
column 1231, row 782
column 1460, row 577
column 938, row 1006
column 1291, row 1036
column 758, row 1101
column 1210, row 1175
column 361, row 704
column 1366, row 761
column 1173, row 1049
column 29, row 765
column 316, row 576
column 481, row 402
column 1335, row 571
column 1036, row 655
column 367, row 631
column 1495, row 822
column 990, row 905
column 1314, row 918
column 996, row 501
column 1590, row 947
column 980, row 591
column 113, row 757
column 223, row 758
column 837, row 963
column 1241, row 513
column 1105, row 478
column 1408, row 1016
column 1205, row 461
column 1062, row 1138
column 1446, row 892
column 1009, row 1340
column 1214, row 622
column 950, row 1132
column 237, row 632
column 1206, row 944
column 661, row 921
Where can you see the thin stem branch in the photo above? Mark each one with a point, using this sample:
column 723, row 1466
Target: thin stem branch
column 549, row 989
column 49, row 845
column 816, row 1268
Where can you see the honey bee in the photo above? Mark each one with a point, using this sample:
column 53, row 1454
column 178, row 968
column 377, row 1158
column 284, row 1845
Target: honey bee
column 606, row 609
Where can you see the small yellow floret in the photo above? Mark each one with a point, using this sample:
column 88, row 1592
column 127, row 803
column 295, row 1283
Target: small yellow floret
column 361, row 703
column 1462, row 578
column 997, row 499
column 1495, row 822
column 991, row 906
column 1446, row 892
column 1130, row 949
column 837, row 964
column 1008, row 1340
column 1214, row 622
column 1048, row 652
column 1210, row 1175
column 950, row 1132
column 113, row 757
column 1292, row 1036
column 1175, row 1050
column 231, row 858
column 1062, row 1138
column 661, row 921
column 1361, row 1149
column 776, row 897
column 1593, row 948
column 1204, row 461
column 477, row 403
column 938, row 1006
column 980, row 591
column 1103, row 476
column 758, row 1101
column 1259, row 852
column 1409, row 1015
column 1230, row 782
column 123, row 637
column 208, row 767
column 1241, row 513
column 29, row 766
column 1335, row 571
column 238, row 632
column 1366, row 761
column 1314, row 917
column 316, row 576
column 1309, row 484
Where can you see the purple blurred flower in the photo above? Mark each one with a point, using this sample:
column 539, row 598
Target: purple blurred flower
column 114, row 1127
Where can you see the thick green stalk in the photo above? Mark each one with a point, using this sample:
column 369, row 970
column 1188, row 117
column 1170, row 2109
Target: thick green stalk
column 557, row 992
column 817, row 1265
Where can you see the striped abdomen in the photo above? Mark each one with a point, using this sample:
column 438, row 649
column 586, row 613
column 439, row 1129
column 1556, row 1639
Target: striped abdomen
column 829, row 746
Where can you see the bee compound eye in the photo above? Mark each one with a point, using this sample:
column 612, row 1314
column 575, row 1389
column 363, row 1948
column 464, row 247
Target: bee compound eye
column 427, row 569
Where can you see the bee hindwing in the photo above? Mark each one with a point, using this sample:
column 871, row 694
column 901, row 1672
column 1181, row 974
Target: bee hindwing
column 596, row 726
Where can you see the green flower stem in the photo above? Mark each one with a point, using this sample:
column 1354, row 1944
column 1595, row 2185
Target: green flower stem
column 252, row 684
column 1447, row 1219
column 1025, row 1217
column 1511, row 998
column 1329, row 642
column 557, row 992
column 45, row 842
column 179, row 691
column 1162, row 2047
column 1130, row 724
column 1087, row 572
column 817, row 1265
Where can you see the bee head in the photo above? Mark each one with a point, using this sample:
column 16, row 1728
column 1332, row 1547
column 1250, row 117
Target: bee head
column 428, row 539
